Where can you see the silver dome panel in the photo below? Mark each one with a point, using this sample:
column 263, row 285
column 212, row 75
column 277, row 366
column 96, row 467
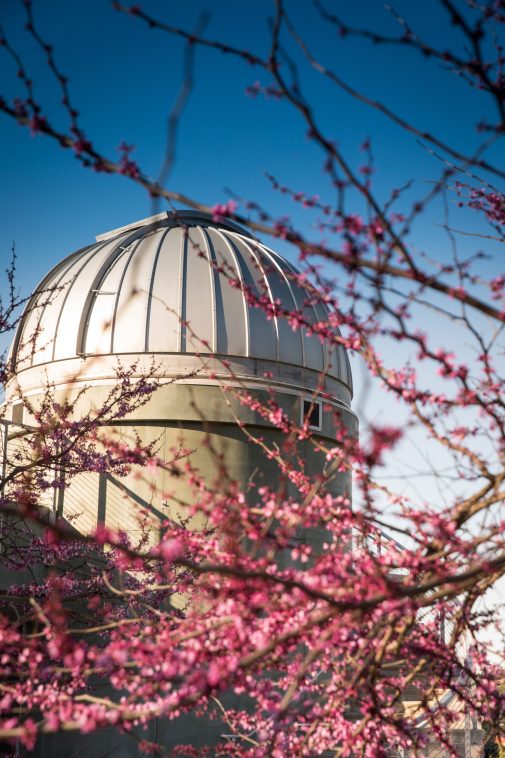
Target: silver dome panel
column 174, row 283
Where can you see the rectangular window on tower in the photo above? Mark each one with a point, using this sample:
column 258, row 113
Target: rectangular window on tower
column 313, row 413
column 17, row 413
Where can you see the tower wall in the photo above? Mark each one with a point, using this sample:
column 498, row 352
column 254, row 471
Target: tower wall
column 203, row 420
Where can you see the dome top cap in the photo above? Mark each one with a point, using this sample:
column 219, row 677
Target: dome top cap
column 175, row 219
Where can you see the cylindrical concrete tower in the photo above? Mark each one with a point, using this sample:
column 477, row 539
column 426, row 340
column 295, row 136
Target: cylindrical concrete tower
column 179, row 291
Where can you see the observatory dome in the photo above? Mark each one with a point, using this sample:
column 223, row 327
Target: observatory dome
column 161, row 287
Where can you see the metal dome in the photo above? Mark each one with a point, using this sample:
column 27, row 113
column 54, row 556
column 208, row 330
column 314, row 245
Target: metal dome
column 162, row 286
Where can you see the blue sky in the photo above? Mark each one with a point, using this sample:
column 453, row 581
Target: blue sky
column 125, row 77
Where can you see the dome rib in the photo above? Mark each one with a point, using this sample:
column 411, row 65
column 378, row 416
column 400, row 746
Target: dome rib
column 182, row 296
column 212, row 290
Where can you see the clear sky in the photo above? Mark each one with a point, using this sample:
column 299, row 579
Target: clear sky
column 124, row 79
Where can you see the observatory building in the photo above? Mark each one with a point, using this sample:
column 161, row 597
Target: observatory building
column 200, row 304
column 178, row 294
